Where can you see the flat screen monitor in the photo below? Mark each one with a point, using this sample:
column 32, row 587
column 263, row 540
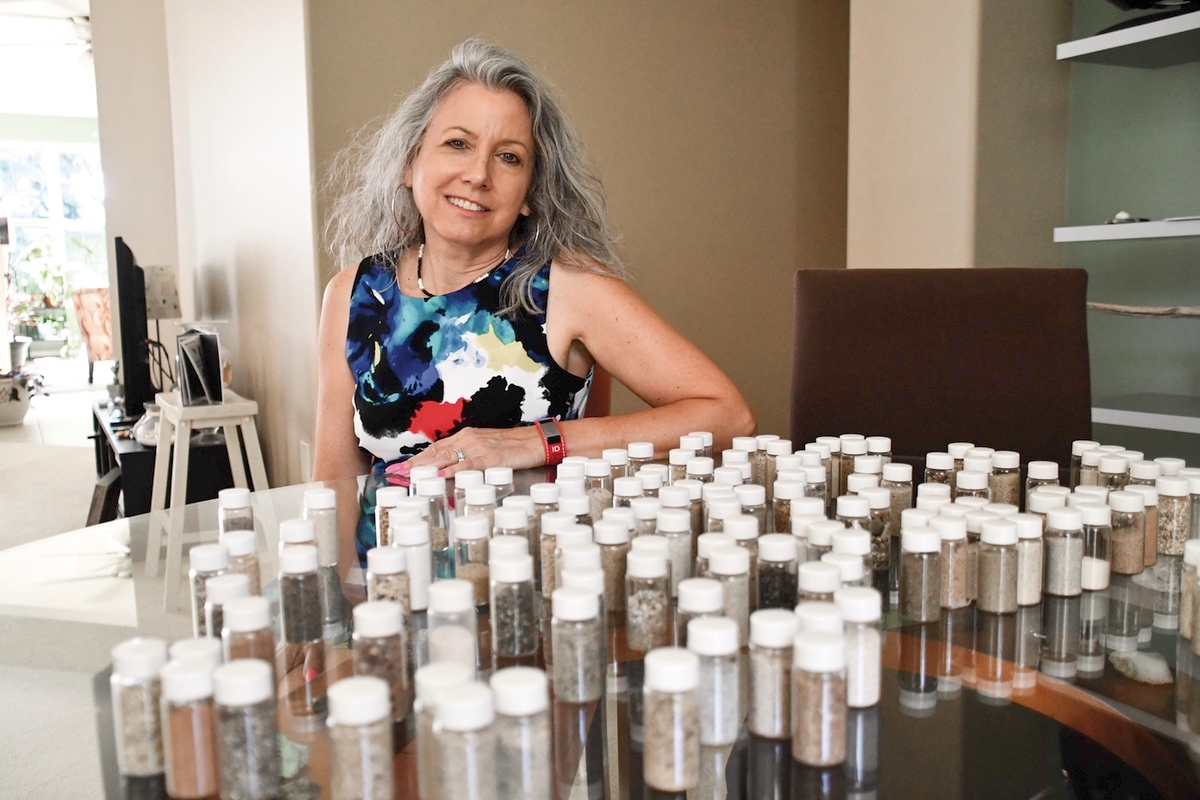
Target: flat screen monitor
column 135, row 348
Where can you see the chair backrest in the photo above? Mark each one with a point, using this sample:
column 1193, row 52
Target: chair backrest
column 998, row 357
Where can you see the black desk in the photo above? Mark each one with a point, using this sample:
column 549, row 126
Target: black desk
column 116, row 448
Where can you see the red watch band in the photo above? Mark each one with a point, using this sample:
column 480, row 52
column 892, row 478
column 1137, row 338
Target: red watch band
column 552, row 440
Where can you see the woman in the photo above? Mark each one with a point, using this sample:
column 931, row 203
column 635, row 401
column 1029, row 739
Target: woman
column 494, row 290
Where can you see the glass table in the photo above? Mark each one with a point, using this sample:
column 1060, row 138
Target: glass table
column 975, row 705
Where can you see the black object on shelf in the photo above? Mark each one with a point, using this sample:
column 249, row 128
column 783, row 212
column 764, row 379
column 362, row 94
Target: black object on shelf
column 1173, row 10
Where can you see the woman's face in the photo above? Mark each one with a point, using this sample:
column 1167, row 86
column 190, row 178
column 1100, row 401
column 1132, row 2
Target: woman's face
column 471, row 175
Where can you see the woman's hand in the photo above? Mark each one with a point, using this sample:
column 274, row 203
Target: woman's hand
column 519, row 448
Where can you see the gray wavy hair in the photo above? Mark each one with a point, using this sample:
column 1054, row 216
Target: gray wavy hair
column 375, row 212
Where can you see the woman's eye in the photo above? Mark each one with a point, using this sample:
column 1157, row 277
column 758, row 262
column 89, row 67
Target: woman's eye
column 510, row 158
column 457, row 144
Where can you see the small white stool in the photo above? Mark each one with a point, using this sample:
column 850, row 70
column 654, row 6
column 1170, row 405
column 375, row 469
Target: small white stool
column 236, row 417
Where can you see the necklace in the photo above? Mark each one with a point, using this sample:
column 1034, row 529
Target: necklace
column 421, row 283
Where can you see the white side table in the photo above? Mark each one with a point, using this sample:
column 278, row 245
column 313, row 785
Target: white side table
column 235, row 417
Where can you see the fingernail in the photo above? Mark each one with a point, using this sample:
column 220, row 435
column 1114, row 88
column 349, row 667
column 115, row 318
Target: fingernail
column 398, row 469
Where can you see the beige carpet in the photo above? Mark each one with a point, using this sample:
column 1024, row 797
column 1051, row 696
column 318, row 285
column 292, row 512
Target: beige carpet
column 44, row 490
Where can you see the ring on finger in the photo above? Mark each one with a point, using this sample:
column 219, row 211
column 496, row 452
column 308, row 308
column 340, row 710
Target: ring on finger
column 461, row 455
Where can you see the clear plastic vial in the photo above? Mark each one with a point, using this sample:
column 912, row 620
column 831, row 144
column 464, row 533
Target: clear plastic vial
column 1089, row 472
column 234, row 512
column 998, row 567
column 819, row 538
column 1174, row 515
column 675, row 525
column 777, row 581
column 360, row 740
column 1039, row 474
column 1112, row 472
column 243, row 558
column 1097, row 540
column 920, row 575
column 412, row 536
column 501, row 478
column 618, row 461
column 514, row 608
column 578, row 638
column 248, row 632
column 1030, row 558
column 205, row 561
column 671, row 760
column 770, row 680
column 466, row 479
column 432, row 492
column 1064, row 552
column 785, row 493
column 862, row 609
column 453, row 623
column 380, row 650
column 1077, row 449
column 598, row 482
column 320, row 508
column 482, row 502
column 247, row 748
column 1187, row 593
column 647, row 601
column 953, row 533
column 645, row 515
column 971, row 483
column 219, row 591
column 640, row 454
column 1004, row 483
column 136, row 693
column 522, row 729
column 464, row 754
column 189, row 730
column 730, row 566
column 1127, row 552
column 387, row 577
column 699, row 598
column 714, row 641
column 817, row 581
column 387, row 500
column 471, row 539
column 303, row 628
column 819, row 699
column 897, row 479
column 939, row 468
column 430, row 681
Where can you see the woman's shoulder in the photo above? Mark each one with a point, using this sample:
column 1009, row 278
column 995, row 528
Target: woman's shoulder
column 581, row 273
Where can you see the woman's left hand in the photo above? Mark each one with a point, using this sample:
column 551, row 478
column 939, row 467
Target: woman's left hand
column 480, row 448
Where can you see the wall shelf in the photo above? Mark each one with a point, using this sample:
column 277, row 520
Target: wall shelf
column 1165, row 43
column 1157, row 229
column 1163, row 412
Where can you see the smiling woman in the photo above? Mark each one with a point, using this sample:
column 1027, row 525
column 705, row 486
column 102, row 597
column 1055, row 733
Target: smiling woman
column 489, row 288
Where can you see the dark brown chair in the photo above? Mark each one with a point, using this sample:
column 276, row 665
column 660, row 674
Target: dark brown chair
column 998, row 357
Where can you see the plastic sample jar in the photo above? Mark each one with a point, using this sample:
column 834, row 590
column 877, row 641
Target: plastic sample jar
column 1174, row 515
column 777, row 581
column 714, row 641
column 699, row 598
column 412, row 536
column 939, row 468
column 1097, row 540
column 675, row 524
column 998, row 567
column 247, row 748
column 243, row 557
column 1005, row 481
column 1030, row 559
column 514, row 608
column 234, row 512
column 189, row 730
column 430, row 681
column 647, row 601
column 248, row 632
column 218, row 591
column 672, row 720
column 380, row 650
column 730, row 566
column 522, row 730
column 770, row 680
column 472, row 535
column 954, row 566
column 387, row 577
column 453, row 623
column 136, row 693
column 205, row 561
column 920, row 575
column 303, row 626
column 819, row 699
column 1064, row 552
column 577, row 641
column 861, row 610
column 464, row 743
column 1040, row 473
column 817, row 581
column 360, row 740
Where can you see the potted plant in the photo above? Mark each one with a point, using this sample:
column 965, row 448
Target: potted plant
column 16, row 390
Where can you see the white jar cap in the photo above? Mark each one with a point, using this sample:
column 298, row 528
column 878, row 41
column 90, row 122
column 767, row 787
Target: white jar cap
column 700, row 596
column 569, row 477
column 1170, row 466
column 378, row 618
column 572, row 535
column 788, row 490
column 949, row 528
column 879, row 444
column 387, row 560
column 980, row 451
column 1191, row 552
column 388, row 496
column 430, row 487
column 1006, row 459
column 1091, row 458
column 646, row 507
column 707, row 542
column 746, row 443
column 815, row 651
column 750, row 494
column 932, row 504
column 612, row 531
column 597, row 468
column 821, row 448
column 896, row 472
column 779, row 447
column 915, row 518
column 464, row 708
column 240, row 542
column 741, row 527
column 580, row 556
column 695, row 488
column 574, row 605
column 940, row 461
column 484, row 495
column 589, row 580
column 813, row 475
column 672, row 669
column 1079, row 445
column 320, row 497
column 1191, row 473
column 724, row 507
column 808, row 506
column 705, row 435
column 452, row 596
column 297, row 559
column 851, row 540
column 1149, row 494
column 554, row 521
column 920, row 540
column 1126, row 502
column 853, row 444
column 243, row 682
column 139, row 658
column 1001, row 509
column 877, row 497
column 818, row 577
column 730, row 475
column 519, row 691
column 730, row 560
column 850, row 566
column 615, row 456
column 712, row 636
column 849, row 505
column 1043, row 470
column 762, row 439
column 977, row 464
column 233, row 498
column 772, row 627
column 679, row 456
column 510, row 518
column 1064, row 519
column 999, row 532
column 359, row 700
column 519, row 568
column 674, row 497
column 545, row 494
column 209, row 557
column 1029, row 526
column 868, row 465
column 1145, row 470
column 701, row 465
column 467, row 478
column 205, row 650
column 627, row 487
column 506, row 546
column 575, row 504
column 410, row 532
column 776, row 547
column 498, row 476
column 1040, row 501
column 801, row 523
column 640, row 449
column 1172, row 487
column 186, row 681
column 975, row 520
column 834, row 443
column 223, row 588
column 971, row 503
column 1095, row 514
column 247, row 613
column 422, row 472
column 933, row 490
column 1113, row 465
column 412, row 507
column 643, row 564
column 859, row 604
column 673, row 520
column 971, row 479
column 857, row 481
column 297, row 531
column 431, row 679
column 821, row 533
column 733, row 458
column 820, row 616
column 691, row 441
column 959, row 449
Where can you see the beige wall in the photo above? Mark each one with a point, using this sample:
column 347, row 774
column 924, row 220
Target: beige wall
column 239, row 96
column 957, row 133
column 718, row 129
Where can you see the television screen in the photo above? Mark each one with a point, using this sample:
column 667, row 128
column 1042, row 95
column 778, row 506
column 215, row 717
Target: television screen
column 135, row 348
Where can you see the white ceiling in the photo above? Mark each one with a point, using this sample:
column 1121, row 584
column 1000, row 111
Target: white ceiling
column 46, row 58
